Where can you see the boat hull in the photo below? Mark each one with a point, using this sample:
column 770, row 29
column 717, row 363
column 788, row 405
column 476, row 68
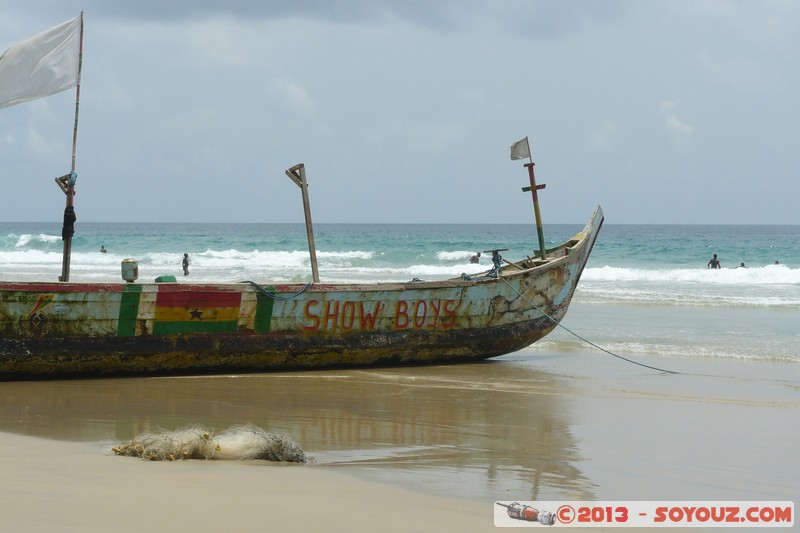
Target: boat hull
column 55, row 330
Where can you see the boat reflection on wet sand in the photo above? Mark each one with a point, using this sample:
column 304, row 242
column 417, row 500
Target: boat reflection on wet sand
column 482, row 431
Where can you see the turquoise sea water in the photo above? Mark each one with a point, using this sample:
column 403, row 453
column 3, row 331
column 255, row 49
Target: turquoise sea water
column 646, row 290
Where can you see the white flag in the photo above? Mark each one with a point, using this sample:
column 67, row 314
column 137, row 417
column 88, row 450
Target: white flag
column 520, row 149
column 45, row 64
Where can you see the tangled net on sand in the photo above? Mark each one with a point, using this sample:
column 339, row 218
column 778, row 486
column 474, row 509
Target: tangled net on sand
column 235, row 443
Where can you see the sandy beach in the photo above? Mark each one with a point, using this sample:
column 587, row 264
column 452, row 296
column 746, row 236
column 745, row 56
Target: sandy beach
column 57, row 486
column 411, row 449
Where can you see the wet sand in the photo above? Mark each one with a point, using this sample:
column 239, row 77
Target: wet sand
column 423, row 449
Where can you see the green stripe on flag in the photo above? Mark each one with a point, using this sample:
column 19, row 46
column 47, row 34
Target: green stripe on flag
column 128, row 310
column 263, row 319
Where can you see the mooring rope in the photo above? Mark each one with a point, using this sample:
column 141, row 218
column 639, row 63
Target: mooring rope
column 276, row 296
column 590, row 343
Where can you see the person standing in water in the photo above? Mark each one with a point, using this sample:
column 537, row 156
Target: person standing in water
column 714, row 262
column 185, row 264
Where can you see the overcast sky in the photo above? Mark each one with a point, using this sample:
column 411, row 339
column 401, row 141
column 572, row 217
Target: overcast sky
column 676, row 112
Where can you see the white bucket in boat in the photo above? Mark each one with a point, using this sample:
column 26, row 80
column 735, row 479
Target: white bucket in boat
column 130, row 270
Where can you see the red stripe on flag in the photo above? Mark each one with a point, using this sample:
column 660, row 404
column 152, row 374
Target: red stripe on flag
column 198, row 299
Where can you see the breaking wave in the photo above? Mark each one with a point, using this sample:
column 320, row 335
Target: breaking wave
column 763, row 275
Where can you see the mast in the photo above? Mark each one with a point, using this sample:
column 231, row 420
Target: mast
column 533, row 188
column 298, row 175
column 67, row 182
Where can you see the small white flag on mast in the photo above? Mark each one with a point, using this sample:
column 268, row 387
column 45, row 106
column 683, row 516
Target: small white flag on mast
column 45, row 64
column 520, row 149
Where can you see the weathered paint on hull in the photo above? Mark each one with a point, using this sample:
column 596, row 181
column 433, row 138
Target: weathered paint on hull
column 73, row 329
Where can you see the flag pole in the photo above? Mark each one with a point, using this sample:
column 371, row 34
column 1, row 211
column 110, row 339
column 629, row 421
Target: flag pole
column 67, row 183
column 533, row 188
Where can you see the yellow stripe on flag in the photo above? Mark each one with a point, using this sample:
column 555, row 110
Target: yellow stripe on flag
column 199, row 314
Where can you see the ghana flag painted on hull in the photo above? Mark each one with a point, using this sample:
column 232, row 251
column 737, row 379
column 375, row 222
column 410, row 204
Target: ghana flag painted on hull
column 196, row 311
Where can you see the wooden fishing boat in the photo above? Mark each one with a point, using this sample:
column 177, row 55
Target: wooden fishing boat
column 59, row 329
column 69, row 329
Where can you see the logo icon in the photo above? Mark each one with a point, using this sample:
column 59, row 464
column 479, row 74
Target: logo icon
column 528, row 513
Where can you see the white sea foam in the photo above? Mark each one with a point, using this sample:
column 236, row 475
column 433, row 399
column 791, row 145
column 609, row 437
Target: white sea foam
column 764, row 275
column 27, row 239
column 662, row 349
column 458, row 255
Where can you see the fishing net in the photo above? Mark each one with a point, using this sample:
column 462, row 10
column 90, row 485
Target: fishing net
column 194, row 442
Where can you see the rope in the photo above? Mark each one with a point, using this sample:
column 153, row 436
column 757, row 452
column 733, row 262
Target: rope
column 275, row 296
column 590, row 343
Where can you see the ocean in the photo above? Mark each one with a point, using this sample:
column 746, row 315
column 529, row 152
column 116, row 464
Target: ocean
column 646, row 289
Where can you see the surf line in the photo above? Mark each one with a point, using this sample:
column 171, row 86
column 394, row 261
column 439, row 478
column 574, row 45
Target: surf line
column 590, row 343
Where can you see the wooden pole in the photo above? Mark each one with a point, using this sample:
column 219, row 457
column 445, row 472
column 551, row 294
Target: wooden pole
column 298, row 175
column 67, row 183
column 533, row 188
